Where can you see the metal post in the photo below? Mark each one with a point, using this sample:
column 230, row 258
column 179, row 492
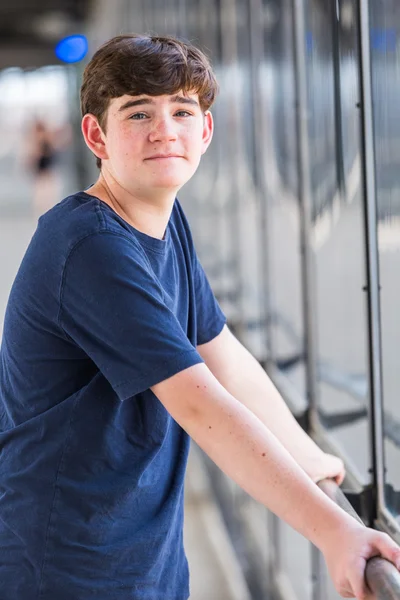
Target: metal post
column 340, row 167
column 305, row 200
column 317, row 566
column 383, row 515
column 228, row 20
column 259, row 135
column 275, row 559
column 372, row 270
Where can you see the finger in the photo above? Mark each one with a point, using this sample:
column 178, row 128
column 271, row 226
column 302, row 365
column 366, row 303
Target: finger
column 358, row 582
column 346, row 593
column 340, row 477
column 388, row 549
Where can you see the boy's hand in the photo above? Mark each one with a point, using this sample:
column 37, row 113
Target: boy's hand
column 347, row 553
column 324, row 466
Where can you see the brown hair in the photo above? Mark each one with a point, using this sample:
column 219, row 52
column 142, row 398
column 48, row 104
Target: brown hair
column 142, row 64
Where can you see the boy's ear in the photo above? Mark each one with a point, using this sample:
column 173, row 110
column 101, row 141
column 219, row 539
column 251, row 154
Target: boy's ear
column 94, row 136
column 208, row 130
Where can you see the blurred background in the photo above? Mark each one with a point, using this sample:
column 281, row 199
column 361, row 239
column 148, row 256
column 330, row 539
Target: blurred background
column 295, row 211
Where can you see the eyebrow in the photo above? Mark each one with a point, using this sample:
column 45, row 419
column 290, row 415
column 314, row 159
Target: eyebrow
column 143, row 101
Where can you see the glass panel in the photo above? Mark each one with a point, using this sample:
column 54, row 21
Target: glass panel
column 170, row 16
column 225, row 182
column 159, row 18
column 136, row 20
column 282, row 236
column 285, row 316
column 252, row 330
column 337, row 230
column 210, row 197
column 200, row 194
column 148, row 15
column 385, row 30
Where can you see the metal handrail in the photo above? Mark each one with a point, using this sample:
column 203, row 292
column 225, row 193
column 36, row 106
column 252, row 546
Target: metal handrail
column 381, row 575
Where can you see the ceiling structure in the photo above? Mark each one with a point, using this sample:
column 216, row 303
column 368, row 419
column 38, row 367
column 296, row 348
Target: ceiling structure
column 30, row 29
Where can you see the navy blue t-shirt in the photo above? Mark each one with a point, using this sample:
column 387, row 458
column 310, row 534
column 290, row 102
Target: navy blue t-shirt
column 91, row 464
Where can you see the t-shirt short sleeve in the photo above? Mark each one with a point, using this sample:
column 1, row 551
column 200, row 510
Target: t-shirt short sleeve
column 210, row 318
column 112, row 306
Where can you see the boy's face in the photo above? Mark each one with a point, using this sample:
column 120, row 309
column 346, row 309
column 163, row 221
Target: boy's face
column 153, row 142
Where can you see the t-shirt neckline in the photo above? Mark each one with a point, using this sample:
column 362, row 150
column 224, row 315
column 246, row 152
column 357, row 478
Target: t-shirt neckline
column 146, row 240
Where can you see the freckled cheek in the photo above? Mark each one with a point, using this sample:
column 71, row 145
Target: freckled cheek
column 126, row 149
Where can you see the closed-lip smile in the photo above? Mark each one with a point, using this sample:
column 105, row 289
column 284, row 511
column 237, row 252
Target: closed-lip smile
column 163, row 156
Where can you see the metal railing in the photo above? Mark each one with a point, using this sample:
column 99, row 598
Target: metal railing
column 381, row 575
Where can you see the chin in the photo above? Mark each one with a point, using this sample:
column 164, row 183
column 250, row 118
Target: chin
column 170, row 182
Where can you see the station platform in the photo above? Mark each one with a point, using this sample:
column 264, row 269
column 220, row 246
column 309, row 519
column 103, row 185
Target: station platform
column 215, row 571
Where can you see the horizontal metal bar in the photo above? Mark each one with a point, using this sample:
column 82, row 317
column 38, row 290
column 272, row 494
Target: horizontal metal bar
column 382, row 576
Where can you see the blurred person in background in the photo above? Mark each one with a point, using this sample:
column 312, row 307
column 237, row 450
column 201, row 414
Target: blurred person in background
column 43, row 148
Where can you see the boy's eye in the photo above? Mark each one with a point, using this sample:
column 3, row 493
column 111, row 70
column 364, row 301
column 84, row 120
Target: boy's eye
column 139, row 116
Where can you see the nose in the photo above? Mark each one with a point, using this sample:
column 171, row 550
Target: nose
column 163, row 130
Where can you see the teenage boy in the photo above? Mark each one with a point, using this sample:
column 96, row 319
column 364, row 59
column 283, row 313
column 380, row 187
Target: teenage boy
column 115, row 352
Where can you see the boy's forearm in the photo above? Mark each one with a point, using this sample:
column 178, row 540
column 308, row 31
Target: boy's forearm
column 252, row 387
column 251, row 455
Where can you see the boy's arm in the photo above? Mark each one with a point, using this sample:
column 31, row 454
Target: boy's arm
column 243, row 447
column 240, row 373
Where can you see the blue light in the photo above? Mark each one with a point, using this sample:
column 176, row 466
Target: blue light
column 309, row 41
column 72, row 48
column 384, row 40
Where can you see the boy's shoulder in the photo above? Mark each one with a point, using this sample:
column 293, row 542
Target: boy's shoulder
column 81, row 217
column 79, row 223
column 78, row 216
column 82, row 214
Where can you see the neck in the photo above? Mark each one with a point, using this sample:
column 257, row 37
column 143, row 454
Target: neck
column 150, row 215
